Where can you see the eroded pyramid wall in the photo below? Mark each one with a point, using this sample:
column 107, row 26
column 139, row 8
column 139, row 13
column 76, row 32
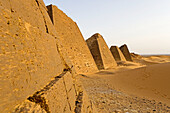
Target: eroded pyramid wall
column 73, row 42
column 126, row 52
column 100, row 52
column 117, row 54
column 35, row 75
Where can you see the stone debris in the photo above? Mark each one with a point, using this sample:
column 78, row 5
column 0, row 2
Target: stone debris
column 109, row 100
column 100, row 52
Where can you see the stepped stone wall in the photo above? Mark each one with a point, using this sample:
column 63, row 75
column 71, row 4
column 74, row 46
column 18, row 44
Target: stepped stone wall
column 73, row 42
column 126, row 52
column 100, row 52
column 35, row 75
column 117, row 54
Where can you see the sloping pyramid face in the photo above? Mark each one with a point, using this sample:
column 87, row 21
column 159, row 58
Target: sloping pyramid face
column 100, row 51
column 117, row 54
column 34, row 74
column 126, row 52
column 73, row 42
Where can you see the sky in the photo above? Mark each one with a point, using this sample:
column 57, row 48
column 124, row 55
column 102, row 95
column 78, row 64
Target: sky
column 144, row 25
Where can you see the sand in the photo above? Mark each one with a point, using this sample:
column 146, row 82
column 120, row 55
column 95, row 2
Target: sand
column 132, row 87
column 150, row 60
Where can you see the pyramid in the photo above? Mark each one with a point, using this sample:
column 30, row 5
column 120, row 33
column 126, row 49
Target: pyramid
column 126, row 52
column 36, row 76
column 100, row 51
column 117, row 54
column 73, row 42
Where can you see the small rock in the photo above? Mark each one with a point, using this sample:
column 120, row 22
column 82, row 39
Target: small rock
column 117, row 111
column 125, row 110
column 134, row 111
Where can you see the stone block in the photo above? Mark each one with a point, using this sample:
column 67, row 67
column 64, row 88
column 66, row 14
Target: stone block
column 56, row 97
column 72, row 99
column 29, row 59
column 68, row 81
column 28, row 107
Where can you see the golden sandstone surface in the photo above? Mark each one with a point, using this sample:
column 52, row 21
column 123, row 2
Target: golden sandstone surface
column 36, row 75
column 100, row 51
column 117, row 54
column 42, row 52
column 126, row 52
column 72, row 41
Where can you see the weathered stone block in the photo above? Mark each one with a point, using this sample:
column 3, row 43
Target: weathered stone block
column 68, row 81
column 28, row 107
column 5, row 3
column 72, row 99
column 56, row 97
column 67, row 108
column 29, row 59
column 29, row 11
column 87, row 105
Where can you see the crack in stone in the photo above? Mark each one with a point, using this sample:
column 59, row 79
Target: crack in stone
column 41, row 101
column 43, row 16
column 11, row 6
column 79, row 102
column 67, row 94
column 37, row 97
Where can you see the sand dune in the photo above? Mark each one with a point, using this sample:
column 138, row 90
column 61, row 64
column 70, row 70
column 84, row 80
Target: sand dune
column 131, row 87
column 151, row 82
column 150, row 60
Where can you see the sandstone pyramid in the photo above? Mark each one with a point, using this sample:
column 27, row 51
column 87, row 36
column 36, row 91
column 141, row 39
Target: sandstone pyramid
column 126, row 52
column 117, row 54
column 73, row 42
column 100, row 51
column 35, row 75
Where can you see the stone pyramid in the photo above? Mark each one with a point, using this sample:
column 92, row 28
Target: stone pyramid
column 100, row 51
column 36, row 76
column 126, row 52
column 73, row 42
column 117, row 54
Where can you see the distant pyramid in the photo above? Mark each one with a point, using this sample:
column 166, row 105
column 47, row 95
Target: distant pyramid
column 73, row 42
column 126, row 52
column 100, row 52
column 117, row 53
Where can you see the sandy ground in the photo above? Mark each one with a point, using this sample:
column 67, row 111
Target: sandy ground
column 131, row 87
column 150, row 60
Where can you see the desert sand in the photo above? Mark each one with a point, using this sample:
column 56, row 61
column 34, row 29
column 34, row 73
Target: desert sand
column 140, row 86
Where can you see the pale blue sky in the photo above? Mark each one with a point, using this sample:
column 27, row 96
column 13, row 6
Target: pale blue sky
column 144, row 25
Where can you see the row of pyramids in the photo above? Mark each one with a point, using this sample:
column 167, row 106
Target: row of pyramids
column 78, row 51
column 42, row 51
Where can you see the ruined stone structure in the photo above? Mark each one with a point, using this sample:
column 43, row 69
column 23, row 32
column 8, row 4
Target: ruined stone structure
column 35, row 75
column 117, row 54
column 100, row 51
column 126, row 52
column 72, row 41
